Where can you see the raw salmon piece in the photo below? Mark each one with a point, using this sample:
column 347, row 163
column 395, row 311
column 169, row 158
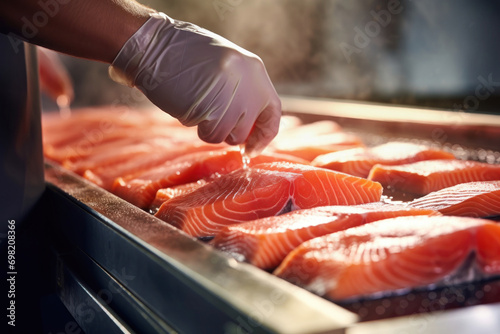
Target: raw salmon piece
column 266, row 242
column 359, row 161
column 471, row 199
column 262, row 191
column 136, row 163
column 291, row 128
column 424, row 177
column 69, row 155
column 310, row 140
column 164, row 194
column 118, row 156
column 394, row 254
column 89, row 128
column 88, row 147
column 140, row 189
column 90, row 142
column 309, row 153
column 313, row 145
column 288, row 123
column 105, row 118
column 118, row 152
column 87, row 122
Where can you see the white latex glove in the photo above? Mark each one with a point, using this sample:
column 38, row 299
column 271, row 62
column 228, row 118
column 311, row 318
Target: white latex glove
column 201, row 79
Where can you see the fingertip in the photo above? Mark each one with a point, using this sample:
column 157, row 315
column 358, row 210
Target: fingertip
column 259, row 138
column 215, row 132
column 233, row 139
column 268, row 121
column 208, row 133
column 254, row 146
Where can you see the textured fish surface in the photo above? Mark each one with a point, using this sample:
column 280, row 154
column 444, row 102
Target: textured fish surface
column 471, row 199
column 394, row 254
column 132, row 163
column 140, row 189
column 262, row 191
column 164, row 194
column 267, row 241
column 68, row 139
column 424, row 177
column 359, row 161
column 307, row 141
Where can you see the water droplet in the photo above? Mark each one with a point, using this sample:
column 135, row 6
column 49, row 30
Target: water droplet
column 245, row 158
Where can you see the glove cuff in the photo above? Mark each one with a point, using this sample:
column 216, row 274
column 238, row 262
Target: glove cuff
column 125, row 66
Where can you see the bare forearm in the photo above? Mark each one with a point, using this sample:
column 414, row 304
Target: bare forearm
column 93, row 29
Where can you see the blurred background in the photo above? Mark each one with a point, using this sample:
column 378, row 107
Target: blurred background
column 438, row 54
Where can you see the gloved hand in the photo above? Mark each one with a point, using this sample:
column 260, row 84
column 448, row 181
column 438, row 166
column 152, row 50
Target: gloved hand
column 201, row 79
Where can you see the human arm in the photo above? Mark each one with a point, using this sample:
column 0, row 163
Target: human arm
column 92, row 29
column 191, row 73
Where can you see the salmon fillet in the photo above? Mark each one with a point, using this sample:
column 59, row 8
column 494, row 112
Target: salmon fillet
column 128, row 163
column 359, row 161
column 471, row 199
column 83, row 149
column 394, row 254
column 164, row 194
column 140, row 189
column 97, row 122
column 292, row 128
column 311, row 146
column 307, row 141
column 424, row 177
column 262, row 191
column 287, row 123
column 266, row 242
column 81, row 135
